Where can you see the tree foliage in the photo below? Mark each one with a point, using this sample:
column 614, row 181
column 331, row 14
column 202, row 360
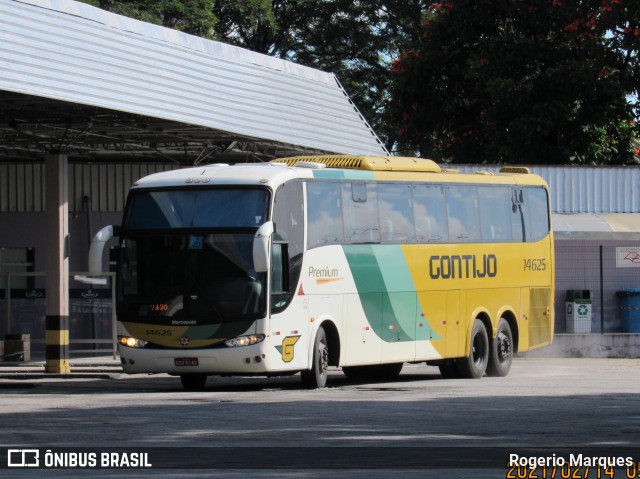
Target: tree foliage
column 522, row 81
column 511, row 81
column 190, row 16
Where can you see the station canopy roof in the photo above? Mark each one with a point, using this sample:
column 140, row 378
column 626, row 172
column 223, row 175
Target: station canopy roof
column 103, row 87
column 598, row 226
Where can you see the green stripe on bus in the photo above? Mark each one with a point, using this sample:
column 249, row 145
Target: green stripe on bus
column 386, row 291
column 404, row 300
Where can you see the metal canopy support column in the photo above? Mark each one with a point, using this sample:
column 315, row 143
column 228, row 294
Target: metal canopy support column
column 57, row 264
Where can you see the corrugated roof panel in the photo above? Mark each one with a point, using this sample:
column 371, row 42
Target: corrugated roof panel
column 614, row 190
column 584, row 189
column 22, row 185
column 78, row 53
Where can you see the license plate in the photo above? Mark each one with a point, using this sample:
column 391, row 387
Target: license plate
column 186, row 361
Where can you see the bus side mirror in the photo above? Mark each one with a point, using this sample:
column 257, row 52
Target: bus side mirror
column 261, row 248
column 97, row 247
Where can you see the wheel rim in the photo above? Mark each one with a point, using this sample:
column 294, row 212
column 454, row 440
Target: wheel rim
column 479, row 349
column 504, row 347
column 323, row 358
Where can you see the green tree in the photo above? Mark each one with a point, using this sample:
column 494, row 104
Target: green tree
column 190, row 16
column 521, row 81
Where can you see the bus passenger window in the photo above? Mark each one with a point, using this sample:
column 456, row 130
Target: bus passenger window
column 324, row 214
column 360, row 213
column 462, row 205
column 495, row 213
column 429, row 214
column 537, row 213
column 396, row 213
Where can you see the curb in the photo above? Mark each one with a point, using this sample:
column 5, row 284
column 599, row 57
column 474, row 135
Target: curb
column 82, row 375
column 87, row 368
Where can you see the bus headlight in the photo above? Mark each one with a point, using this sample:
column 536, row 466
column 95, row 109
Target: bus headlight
column 244, row 340
column 132, row 342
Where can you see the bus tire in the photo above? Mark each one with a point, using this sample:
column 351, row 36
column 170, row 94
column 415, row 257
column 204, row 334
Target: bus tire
column 475, row 364
column 373, row 372
column 501, row 352
column 316, row 377
column 193, row 382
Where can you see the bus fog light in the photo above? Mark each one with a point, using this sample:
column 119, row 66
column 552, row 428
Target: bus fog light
column 244, row 340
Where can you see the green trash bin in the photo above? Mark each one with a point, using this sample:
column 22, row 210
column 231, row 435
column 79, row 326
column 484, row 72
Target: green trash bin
column 629, row 304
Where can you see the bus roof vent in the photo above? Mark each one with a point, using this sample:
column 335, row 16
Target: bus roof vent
column 375, row 163
column 314, row 165
column 515, row 169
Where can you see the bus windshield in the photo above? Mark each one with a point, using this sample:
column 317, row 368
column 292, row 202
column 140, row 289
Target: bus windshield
column 186, row 257
column 197, row 208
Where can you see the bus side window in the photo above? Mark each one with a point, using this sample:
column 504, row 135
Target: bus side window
column 495, row 213
column 360, row 213
column 288, row 217
column 279, row 276
column 430, row 214
column 536, row 213
column 462, row 205
column 396, row 213
column 324, row 214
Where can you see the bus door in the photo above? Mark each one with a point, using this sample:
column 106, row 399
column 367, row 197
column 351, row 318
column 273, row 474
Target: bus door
column 290, row 335
column 289, row 327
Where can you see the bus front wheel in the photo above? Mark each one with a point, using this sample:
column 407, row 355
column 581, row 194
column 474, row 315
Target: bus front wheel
column 501, row 354
column 193, row 382
column 475, row 364
column 316, row 377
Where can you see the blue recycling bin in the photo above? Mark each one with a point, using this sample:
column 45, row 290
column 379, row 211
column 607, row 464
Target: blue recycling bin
column 629, row 303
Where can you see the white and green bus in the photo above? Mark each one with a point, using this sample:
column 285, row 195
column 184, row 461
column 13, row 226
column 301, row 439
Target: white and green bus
column 363, row 263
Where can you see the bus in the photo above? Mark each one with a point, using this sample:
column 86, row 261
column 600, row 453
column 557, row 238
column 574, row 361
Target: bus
column 306, row 263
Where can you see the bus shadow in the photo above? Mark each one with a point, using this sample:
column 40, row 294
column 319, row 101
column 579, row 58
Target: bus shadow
column 124, row 384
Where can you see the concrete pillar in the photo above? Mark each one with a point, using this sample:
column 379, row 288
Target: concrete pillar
column 57, row 264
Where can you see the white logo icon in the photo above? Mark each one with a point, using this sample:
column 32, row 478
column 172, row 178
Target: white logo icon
column 23, row 458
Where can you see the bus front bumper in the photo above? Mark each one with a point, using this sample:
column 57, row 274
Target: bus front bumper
column 240, row 360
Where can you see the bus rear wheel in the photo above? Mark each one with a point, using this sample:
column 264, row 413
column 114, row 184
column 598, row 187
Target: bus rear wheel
column 316, row 377
column 193, row 382
column 501, row 354
column 475, row 364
